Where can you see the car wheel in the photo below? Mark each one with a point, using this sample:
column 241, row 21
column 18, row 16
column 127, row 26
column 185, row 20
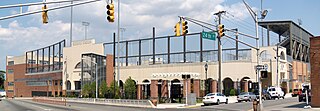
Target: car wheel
column 218, row 102
column 226, row 101
column 239, row 101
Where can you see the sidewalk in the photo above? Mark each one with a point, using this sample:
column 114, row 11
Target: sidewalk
column 231, row 99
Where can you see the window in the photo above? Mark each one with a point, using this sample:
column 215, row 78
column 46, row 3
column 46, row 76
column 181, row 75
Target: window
column 300, row 78
column 10, row 84
column 10, row 71
column 10, row 63
column 31, row 61
column 36, row 83
column 10, row 90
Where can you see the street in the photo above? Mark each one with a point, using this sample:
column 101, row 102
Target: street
column 267, row 105
column 28, row 105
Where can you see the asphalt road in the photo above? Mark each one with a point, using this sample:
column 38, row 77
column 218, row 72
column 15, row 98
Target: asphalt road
column 28, row 105
column 245, row 106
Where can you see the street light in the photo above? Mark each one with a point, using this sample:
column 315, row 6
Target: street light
column 206, row 81
column 85, row 24
column 96, row 75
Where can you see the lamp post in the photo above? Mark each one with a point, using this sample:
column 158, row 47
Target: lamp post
column 254, row 15
column 85, row 24
column 206, row 81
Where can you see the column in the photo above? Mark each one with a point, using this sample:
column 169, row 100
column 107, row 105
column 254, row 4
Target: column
column 139, row 91
column 154, row 89
column 214, row 86
column 184, row 87
column 196, row 87
column 164, row 89
column 246, row 88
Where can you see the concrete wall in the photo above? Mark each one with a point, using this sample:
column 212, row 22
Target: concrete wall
column 72, row 56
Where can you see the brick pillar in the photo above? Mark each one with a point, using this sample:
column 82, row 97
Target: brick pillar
column 154, row 89
column 59, row 87
column 139, row 91
column 164, row 88
column 214, row 86
column 184, row 87
column 53, row 90
column 315, row 75
column 235, row 83
column 196, row 87
column 246, row 88
column 109, row 70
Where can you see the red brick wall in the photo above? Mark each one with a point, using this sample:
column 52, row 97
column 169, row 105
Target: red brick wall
column 315, row 69
column 109, row 69
column 20, row 87
column 154, row 89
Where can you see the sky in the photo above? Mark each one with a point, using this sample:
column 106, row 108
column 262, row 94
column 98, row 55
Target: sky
column 21, row 34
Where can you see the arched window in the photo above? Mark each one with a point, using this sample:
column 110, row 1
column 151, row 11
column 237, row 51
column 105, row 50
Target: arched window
column 282, row 56
column 78, row 66
column 265, row 55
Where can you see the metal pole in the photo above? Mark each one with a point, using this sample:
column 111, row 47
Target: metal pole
column 96, row 80
column 118, row 45
column 206, row 82
column 71, row 15
column 277, row 58
column 39, row 11
column 258, row 62
column 36, row 3
column 186, row 90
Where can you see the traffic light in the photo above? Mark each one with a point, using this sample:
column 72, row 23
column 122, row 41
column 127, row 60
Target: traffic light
column 177, row 29
column 44, row 14
column 264, row 74
column 110, row 12
column 221, row 30
column 184, row 27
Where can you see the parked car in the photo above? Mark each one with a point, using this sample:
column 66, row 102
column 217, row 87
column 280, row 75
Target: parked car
column 265, row 94
column 302, row 96
column 246, row 96
column 296, row 92
column 216, row 98
column 276, row 92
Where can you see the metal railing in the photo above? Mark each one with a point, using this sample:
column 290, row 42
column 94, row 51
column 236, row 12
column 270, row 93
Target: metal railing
column 127, row 102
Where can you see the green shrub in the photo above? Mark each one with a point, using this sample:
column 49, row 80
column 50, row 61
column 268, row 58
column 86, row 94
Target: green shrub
column 290, row 90
column 232, row 92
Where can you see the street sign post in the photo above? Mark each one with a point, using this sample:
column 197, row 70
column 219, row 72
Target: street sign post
column 208, row 35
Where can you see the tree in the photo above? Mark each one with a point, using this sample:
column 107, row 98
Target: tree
column 103, row 90
column 93, row 90
column 86, row 90
column 130, row 89
column 116, row 89
column 2, row 79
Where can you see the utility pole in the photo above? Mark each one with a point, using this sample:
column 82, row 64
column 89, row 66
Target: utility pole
column 118, row 44
column 219, row 51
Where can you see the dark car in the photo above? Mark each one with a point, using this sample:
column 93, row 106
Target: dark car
column 265, row 94
column 296, row 92
column 302, row 96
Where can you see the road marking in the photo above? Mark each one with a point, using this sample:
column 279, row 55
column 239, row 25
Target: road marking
column 41, row 107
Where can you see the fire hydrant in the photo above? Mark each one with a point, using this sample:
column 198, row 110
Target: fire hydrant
column 255, row 105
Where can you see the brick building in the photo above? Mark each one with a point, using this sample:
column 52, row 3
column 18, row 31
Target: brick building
column 315, row 69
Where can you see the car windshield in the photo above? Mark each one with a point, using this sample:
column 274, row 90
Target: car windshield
column 243, row 93
column 272, row 89
column 210, row 94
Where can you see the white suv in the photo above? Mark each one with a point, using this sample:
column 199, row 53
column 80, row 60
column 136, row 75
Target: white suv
column 276, row 92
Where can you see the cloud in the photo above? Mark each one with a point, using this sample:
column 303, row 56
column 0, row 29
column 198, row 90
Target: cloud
column 137, row 17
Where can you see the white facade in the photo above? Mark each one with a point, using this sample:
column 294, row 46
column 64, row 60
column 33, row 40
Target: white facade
column 235, row 70
column 72, row 56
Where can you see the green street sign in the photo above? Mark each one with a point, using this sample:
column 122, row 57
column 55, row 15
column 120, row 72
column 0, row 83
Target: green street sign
column 209, row 35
